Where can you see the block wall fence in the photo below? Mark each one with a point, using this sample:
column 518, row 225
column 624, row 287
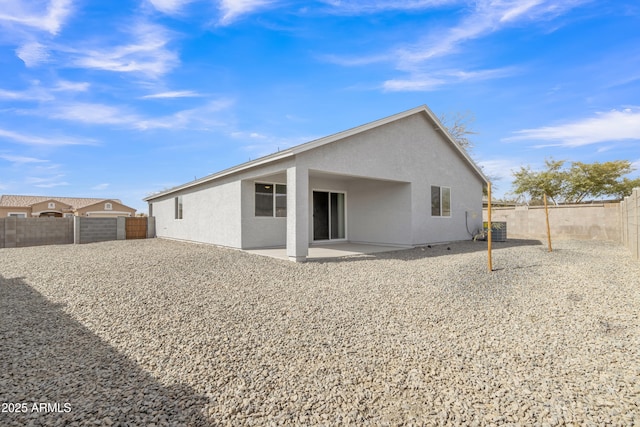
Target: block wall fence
column 629, row 212
column 617, row 222
column 22, row 232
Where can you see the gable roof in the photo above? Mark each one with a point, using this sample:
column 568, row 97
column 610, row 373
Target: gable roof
column 26, row 201
column 293, row 151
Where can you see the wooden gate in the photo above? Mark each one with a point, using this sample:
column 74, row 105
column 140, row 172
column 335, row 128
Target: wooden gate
column 136, row 227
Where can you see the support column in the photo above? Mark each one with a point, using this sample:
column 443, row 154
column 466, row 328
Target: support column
column 121, row 228
column 297, row 213
column 76, row 229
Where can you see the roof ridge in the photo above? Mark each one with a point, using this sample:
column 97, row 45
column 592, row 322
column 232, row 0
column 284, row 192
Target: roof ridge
column 310, row 145
column 16, row 200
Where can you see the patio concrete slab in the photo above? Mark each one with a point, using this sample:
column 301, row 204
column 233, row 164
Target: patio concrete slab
column 332, row 250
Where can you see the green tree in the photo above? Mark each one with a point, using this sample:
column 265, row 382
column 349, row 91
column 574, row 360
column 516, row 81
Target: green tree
column 575, row 184
column 624, row 187
column 535, row 184
column 597, row 179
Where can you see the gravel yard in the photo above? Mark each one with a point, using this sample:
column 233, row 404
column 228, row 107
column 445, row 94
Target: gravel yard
column 171, row 333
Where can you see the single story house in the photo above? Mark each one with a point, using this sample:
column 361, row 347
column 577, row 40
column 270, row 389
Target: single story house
column 401, row 180
column 45, row 206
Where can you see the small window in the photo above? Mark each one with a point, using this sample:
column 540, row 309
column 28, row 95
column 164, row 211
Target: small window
column 271, row 200
column 440, row 201
column 18, row 215
column 264, row 199
column 178, row 201
column 51, row 205
column 446, row 201
column 108, row 206
column 281, row 200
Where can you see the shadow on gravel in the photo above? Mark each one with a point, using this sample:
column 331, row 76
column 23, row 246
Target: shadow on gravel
column 55, row 371
column 436, row 250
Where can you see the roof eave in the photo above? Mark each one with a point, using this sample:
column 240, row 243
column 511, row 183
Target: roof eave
column 461, row 150
column 323, row 141
column 235, row 169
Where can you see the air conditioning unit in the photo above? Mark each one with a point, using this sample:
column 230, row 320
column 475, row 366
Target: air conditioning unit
column 498, row 230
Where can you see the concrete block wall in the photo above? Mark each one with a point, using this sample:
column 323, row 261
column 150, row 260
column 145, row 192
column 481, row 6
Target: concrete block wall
column 583, row 222
column 22, row 232
column 630, row 218
column 90, row 230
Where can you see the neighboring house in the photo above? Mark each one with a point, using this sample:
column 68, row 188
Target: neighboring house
column 44, row 206
column 401, row 180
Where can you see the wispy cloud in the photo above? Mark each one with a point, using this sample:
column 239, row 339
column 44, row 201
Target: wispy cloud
column 47, row 182
column 46, row 16
column 500, row 169
column 89, row 113
column 608, row 126
column 426, row 82
column 21, row 160
column 169, row 7
column 36, row 92
column 173, row 94
column 356, row 61
column 32, row 94
column 484, row 17
column 27, row 139
column 203, row 117
column 488, row 16
column 147, row 53
column 414, row 84
column 358, row 7
column 33, row 54
column 67, row 86
column 233, row 9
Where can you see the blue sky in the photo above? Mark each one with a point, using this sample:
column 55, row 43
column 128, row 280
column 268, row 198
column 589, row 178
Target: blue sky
column 122, row 99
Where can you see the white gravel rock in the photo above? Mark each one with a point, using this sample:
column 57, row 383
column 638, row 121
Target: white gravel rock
column 169, row 333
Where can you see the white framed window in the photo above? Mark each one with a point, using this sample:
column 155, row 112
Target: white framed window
column 178, row 207
column 17, row 214
column 51, row 205
column 271, row 200
column 108, row 206
column 440, row 201
column 68, row 215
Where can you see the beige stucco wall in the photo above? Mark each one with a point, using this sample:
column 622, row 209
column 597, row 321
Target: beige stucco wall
column 4, row 212
column 95, row 210
column 98, row 210
column 58, row 207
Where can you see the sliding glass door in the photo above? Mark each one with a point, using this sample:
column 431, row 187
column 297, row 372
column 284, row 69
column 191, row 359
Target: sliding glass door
column 328, row 215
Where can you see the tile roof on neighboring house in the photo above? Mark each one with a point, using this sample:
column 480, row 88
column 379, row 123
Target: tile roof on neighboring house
column 26, row 201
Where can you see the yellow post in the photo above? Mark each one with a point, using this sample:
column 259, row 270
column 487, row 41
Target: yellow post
column 489, row 227
column 546, row 214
